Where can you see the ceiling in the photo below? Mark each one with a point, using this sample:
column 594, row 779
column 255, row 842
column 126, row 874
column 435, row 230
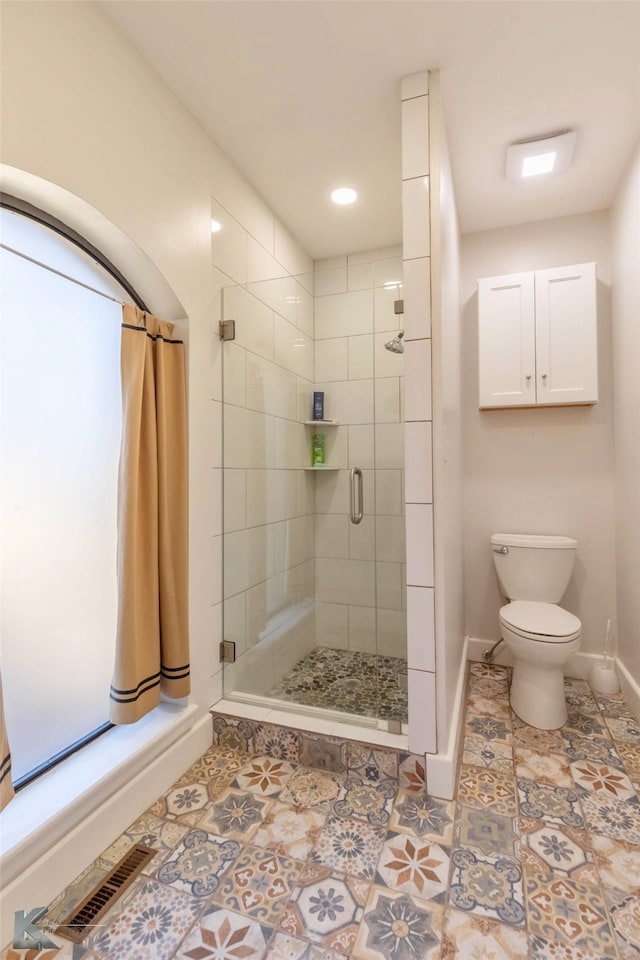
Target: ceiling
column 303, row 96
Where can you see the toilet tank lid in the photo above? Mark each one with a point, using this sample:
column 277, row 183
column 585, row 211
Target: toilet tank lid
column 533, row 540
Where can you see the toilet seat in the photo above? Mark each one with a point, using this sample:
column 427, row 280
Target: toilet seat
column 541, row 622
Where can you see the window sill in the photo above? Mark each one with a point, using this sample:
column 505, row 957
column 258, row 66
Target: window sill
column 49, row 808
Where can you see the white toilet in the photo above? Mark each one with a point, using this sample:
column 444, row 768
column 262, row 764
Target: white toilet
column 534, row 572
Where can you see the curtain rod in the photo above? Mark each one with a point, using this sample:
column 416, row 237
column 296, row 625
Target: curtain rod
column 26, row 209
column 59, row 273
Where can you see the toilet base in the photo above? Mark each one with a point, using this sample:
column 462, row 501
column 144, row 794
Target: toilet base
column 537, row 695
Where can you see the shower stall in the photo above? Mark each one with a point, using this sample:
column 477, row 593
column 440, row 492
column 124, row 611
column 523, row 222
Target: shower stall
column 314, row 552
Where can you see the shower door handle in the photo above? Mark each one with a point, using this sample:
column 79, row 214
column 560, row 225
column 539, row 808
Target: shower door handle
column 355, row 494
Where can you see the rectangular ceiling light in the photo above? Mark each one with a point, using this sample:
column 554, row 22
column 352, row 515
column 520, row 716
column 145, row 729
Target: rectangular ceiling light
column 531, row 158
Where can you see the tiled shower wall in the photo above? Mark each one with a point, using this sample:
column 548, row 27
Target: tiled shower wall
column 360, row 569
column 268, row 570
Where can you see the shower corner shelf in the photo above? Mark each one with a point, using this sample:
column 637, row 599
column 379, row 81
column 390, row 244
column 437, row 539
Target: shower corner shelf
column 319, row 467
column 321, row 423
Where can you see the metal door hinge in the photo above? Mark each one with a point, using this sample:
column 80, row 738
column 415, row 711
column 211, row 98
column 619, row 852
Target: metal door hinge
column 227, row 329
column 227, row 651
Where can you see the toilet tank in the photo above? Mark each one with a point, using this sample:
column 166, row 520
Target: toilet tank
column 532, row 567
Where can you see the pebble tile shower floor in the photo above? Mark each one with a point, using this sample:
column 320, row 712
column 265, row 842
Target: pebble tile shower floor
column 260, row 858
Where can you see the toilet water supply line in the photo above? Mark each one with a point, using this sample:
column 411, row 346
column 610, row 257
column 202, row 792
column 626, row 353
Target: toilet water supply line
column 487, row 656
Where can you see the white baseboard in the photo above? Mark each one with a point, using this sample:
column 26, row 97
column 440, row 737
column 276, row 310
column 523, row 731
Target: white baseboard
column 50, row 870
column 630, row 688
column 579, row 666
column 442, row 767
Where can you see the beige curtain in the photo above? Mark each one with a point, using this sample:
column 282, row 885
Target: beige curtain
column 6, row 785
column 152, row 647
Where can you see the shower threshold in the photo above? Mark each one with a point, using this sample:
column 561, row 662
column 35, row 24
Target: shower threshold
column 321, row 713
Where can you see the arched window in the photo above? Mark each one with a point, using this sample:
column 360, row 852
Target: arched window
column 60, row 425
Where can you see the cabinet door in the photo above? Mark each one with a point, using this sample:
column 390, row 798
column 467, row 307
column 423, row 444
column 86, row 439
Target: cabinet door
column 566, row 335
column 506, row 347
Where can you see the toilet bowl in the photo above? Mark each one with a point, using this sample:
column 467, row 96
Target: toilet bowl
column 533, row 572
column 542, row 637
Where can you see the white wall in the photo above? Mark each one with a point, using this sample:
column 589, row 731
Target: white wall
column 625, row 272
column 82, row 110
column 360, row 569
column 539, row 470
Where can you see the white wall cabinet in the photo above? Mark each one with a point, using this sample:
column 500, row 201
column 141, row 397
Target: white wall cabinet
column 538, row 338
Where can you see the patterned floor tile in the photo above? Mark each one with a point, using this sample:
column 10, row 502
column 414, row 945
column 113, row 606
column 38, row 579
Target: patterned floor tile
column 326, row 909
column 277, row 742
column 285, row 947
column 570, row 912
column 263, row 776
column 412, row 773
column 591, row 748
column 471, row 937
column 488, row 686
column 290, row 831
column 151, row 831
column 423, row 816
column 223, row 935
column 368, row 801
column 587, row 724
column 235, row 815
column 614, row 706
column 619, row 819
column 593, row 777
column 414, row 866
column 488, row 728
column 490, row 886
column 312, row 788
column 552, row 849
column 486, row 830
column 323, row 753
column 349, row 846
column 184, row 804
column 490, row 671
column 487, row 788
column 398, row 926
column 624, row 911
column 372, row 765
column 541, row 949
column 493, row 754
column 197, row 864
column 481, row 705
column 556, row 804
column 542, row 741
column 618, row 863
column 627, row 730
column 630, row 758
column 149, row 924
column 219, row 764
column 548, row 768
column 258, row 884
column 234, row 734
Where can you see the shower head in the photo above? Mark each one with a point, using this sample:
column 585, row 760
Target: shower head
column 395, row 344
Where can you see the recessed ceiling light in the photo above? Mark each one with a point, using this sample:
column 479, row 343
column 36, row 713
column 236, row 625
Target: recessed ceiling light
column 216, row 226
column 531, row 158
column 344, row 195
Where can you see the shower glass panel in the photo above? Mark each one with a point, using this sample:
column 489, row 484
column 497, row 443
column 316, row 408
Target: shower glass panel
column 314, row 603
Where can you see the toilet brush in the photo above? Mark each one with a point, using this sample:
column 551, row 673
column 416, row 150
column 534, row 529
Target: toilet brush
column 603, row 677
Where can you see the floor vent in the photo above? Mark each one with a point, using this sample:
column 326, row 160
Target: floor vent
column 84, row 918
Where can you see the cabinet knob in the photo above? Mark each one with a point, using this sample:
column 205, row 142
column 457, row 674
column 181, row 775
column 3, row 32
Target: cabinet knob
column 528, row 377
column 544, row 376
